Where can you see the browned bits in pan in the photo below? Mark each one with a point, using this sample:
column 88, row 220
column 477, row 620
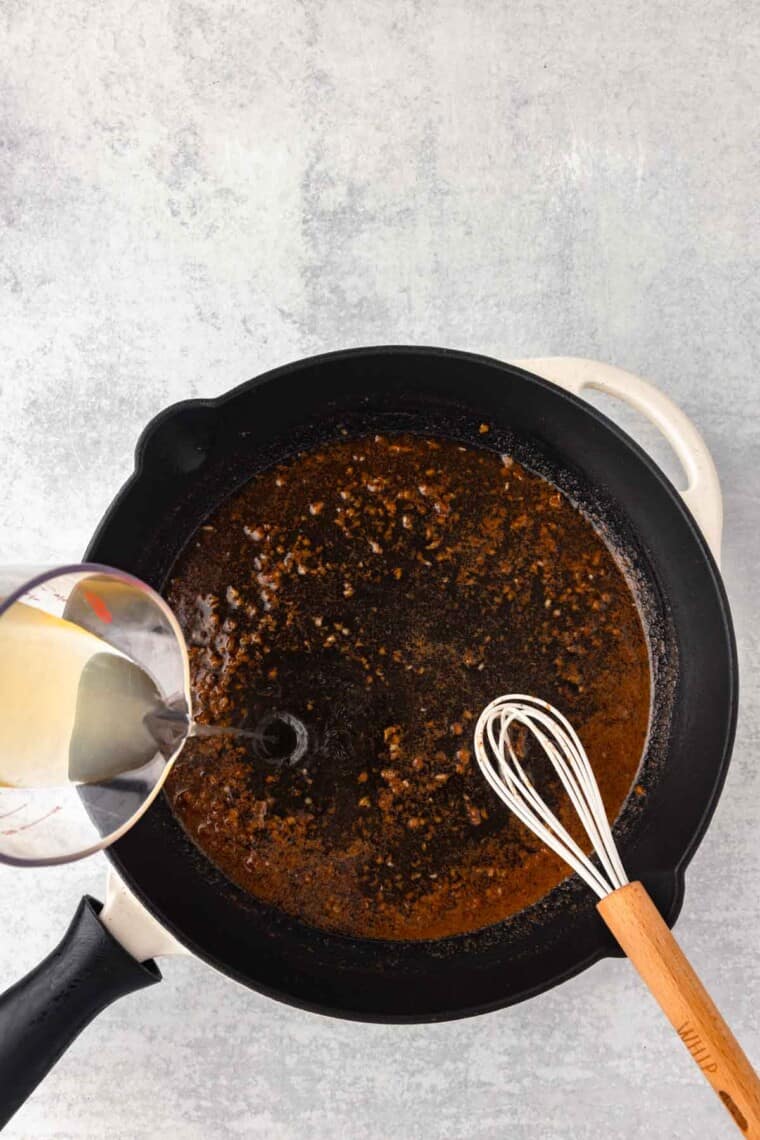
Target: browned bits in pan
column 382, row 591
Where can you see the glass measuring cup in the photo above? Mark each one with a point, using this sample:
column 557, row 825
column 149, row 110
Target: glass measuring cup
column 94, row 707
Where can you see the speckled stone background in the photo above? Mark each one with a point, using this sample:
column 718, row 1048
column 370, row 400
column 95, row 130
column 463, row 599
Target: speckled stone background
column 192, row 192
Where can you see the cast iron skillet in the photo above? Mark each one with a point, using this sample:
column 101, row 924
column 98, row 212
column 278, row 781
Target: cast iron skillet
column 194, row 455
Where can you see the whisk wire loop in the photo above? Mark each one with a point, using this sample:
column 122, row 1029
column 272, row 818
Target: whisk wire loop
column 500, row 764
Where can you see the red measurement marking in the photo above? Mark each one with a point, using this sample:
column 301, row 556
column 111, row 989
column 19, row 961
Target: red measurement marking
column 98, row 606
column 26, row 826
column 13, row 811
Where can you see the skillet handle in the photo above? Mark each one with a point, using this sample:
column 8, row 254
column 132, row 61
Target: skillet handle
column 702, row 495
column 43, row 1013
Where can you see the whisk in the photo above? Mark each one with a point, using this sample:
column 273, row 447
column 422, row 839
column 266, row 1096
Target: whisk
column 625, row 907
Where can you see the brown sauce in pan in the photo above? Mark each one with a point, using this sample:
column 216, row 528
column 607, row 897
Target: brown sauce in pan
column 355, row 608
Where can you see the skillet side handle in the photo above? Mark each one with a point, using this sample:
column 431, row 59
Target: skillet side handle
column 702, row 495
column 45, row 1011
column 661, row 963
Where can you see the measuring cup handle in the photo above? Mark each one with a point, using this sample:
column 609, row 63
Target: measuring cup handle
column 42, row 1013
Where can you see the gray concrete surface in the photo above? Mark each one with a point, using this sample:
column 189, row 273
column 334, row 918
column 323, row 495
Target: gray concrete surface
column 192, row 192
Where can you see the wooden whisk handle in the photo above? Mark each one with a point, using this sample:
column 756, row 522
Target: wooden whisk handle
column 644, row 936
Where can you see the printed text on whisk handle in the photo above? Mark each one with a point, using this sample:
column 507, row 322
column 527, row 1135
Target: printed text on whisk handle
column 696, row 1047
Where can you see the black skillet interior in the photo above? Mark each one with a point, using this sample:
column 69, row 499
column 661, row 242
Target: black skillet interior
column 195, row 454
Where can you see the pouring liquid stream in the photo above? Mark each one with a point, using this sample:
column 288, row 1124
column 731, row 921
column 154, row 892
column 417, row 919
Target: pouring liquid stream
column 78, row 710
